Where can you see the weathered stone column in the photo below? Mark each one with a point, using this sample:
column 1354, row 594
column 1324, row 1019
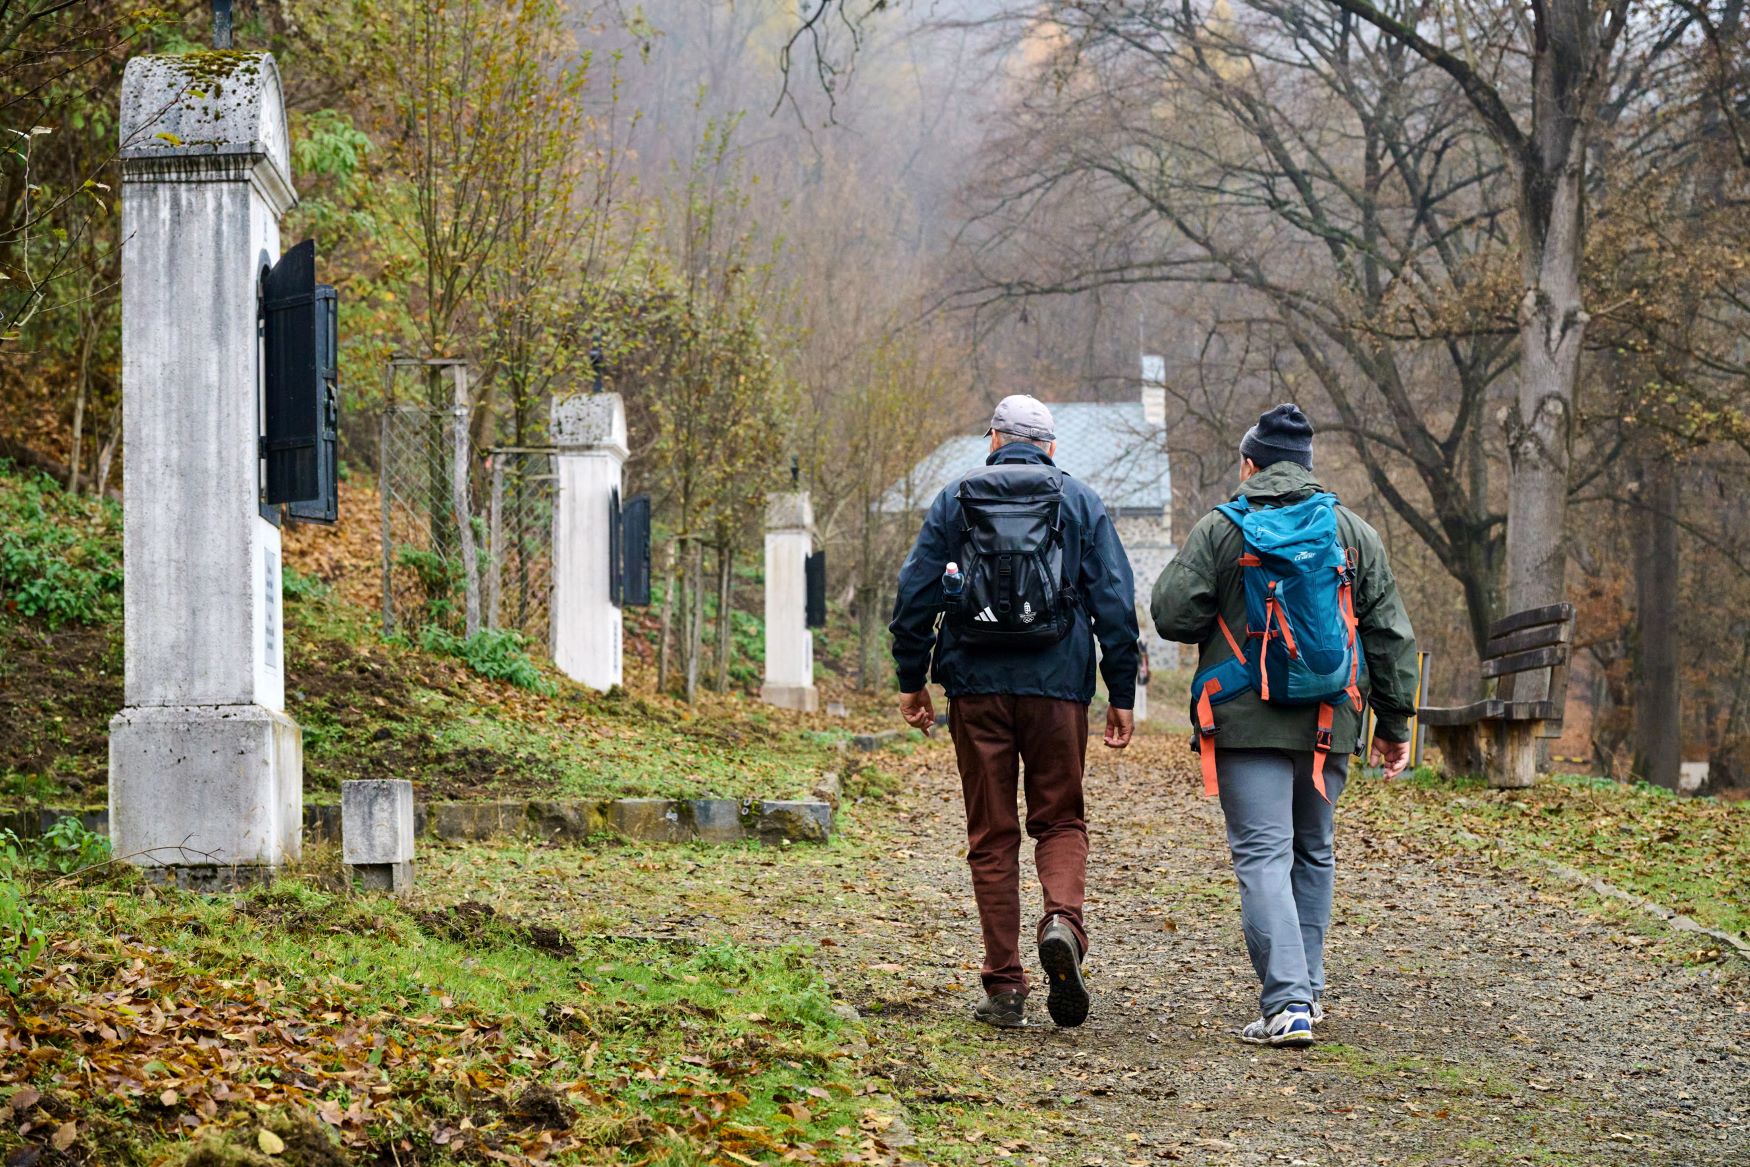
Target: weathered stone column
column 590, row 433
column 789, row 644
column 205, row 768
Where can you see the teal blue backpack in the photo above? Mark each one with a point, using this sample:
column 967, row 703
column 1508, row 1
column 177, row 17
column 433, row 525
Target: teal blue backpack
column 1300, row 645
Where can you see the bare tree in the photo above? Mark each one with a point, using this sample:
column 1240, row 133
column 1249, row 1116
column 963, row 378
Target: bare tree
column 1304, row 176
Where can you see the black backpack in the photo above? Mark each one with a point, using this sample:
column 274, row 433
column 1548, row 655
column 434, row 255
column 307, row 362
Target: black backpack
column 1011, row 556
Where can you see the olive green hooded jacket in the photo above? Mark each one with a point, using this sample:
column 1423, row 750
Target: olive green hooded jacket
column 1204, row 579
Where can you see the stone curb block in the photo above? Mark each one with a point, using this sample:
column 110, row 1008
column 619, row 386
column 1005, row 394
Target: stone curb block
column 649, row 820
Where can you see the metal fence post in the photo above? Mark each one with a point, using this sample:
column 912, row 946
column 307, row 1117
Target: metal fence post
column 459, row 501
column 495, row 555
column 384, row 485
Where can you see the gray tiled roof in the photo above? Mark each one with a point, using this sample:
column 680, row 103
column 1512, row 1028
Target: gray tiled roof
column 1109, row 447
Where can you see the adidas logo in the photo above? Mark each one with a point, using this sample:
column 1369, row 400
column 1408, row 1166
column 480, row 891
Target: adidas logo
column 986, row 616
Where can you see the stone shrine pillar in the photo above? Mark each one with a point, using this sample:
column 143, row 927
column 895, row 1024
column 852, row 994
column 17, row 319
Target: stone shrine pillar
column 789, row 680
column 205, row 768
column 590, row 433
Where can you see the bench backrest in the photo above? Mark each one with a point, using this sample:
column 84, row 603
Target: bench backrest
column 1529, row 642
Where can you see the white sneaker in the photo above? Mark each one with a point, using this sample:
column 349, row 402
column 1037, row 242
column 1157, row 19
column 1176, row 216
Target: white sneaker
column 1291, row 1027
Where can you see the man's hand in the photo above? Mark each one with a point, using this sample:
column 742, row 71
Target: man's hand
column 1392, row 757
column 917, row 710
column 1120, row 724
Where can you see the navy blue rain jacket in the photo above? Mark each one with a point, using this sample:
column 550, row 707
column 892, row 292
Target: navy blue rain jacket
column 1106, row 607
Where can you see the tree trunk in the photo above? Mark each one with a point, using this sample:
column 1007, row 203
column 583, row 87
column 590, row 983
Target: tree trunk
column 106, row 452
column 1550, row 165
column 725, row 639
column 76, row 457
column 1658, row 710
column 665, row 640
column 695, row 611
column 1540, row 420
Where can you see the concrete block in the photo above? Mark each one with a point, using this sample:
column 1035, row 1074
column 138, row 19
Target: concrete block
column 474, row 821
column 802, row 698
column 794, row 821
column 206, row 786
column 653, row 820
column 716, row 820
column 568, row 822
column 376, row 833
column 829, row 788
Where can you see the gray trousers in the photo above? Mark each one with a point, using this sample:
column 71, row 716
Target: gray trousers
column 1279, row 831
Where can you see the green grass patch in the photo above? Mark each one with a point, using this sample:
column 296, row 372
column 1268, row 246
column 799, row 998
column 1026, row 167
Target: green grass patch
column 1689, row 854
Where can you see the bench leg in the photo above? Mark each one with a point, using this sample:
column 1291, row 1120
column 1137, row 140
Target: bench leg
column 1459, row 755
column 1514, row 765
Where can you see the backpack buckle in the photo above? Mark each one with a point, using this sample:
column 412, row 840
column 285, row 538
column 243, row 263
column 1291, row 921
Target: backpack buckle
column 1322, row 739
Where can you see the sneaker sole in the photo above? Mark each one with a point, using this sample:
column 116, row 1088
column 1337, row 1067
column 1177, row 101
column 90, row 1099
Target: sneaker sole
column 1282, row 1040
column 1067, row 1001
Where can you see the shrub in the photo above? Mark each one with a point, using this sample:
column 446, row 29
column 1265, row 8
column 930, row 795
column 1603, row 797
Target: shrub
column 60, row 557
column 22, row 939
column 65, row 847
column 439, row 579
column 498, row 653
column 295, row 585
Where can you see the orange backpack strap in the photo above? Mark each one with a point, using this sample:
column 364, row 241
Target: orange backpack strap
column 1227, row 635
column 1206, row 734
column 1322, row 748
column 1347, row 602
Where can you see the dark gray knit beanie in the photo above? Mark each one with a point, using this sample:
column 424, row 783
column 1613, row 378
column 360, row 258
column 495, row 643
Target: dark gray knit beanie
column 1282, row 434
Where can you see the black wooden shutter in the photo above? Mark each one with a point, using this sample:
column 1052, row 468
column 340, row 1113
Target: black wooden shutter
column 635, row 553
column 325, row 507
column 815, row 578
column 290, row 429
column 616, row 550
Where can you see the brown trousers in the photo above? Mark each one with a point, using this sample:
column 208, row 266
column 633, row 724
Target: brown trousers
column 994, row 735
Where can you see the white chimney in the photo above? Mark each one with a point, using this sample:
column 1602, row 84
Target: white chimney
column 1154, row 389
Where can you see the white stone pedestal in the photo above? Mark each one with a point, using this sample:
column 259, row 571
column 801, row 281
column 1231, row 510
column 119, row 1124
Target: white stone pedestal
column 376, row 832
column 590, row 433
column 789, row 679
column 205, row 769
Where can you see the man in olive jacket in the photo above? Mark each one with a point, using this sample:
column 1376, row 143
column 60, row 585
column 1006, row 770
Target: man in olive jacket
column 1279, row 828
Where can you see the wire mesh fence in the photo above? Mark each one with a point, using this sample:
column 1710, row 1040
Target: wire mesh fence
column 430, row 568
column 519, row 570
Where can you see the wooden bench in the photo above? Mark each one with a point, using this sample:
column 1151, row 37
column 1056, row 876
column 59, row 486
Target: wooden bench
column 1498, row 734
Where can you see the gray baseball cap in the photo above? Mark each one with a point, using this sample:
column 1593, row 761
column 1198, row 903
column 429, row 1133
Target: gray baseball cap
column 1025, row 416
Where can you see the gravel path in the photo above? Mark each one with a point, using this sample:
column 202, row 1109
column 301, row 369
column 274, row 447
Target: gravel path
column 1474, row 1018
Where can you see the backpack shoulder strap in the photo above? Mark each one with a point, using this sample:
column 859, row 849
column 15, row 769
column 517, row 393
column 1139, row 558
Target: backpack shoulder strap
column 1236, row 511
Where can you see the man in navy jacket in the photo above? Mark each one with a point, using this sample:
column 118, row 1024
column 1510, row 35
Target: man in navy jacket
column 1011, row 706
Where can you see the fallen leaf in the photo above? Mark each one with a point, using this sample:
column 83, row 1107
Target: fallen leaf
column 168, row 1098
column 270, row 1143
column 24, row 1099
column 64, row 1135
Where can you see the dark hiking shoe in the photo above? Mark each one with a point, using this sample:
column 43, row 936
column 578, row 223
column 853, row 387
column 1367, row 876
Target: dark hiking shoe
column 1067, row 1001
column 1003, row 1010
